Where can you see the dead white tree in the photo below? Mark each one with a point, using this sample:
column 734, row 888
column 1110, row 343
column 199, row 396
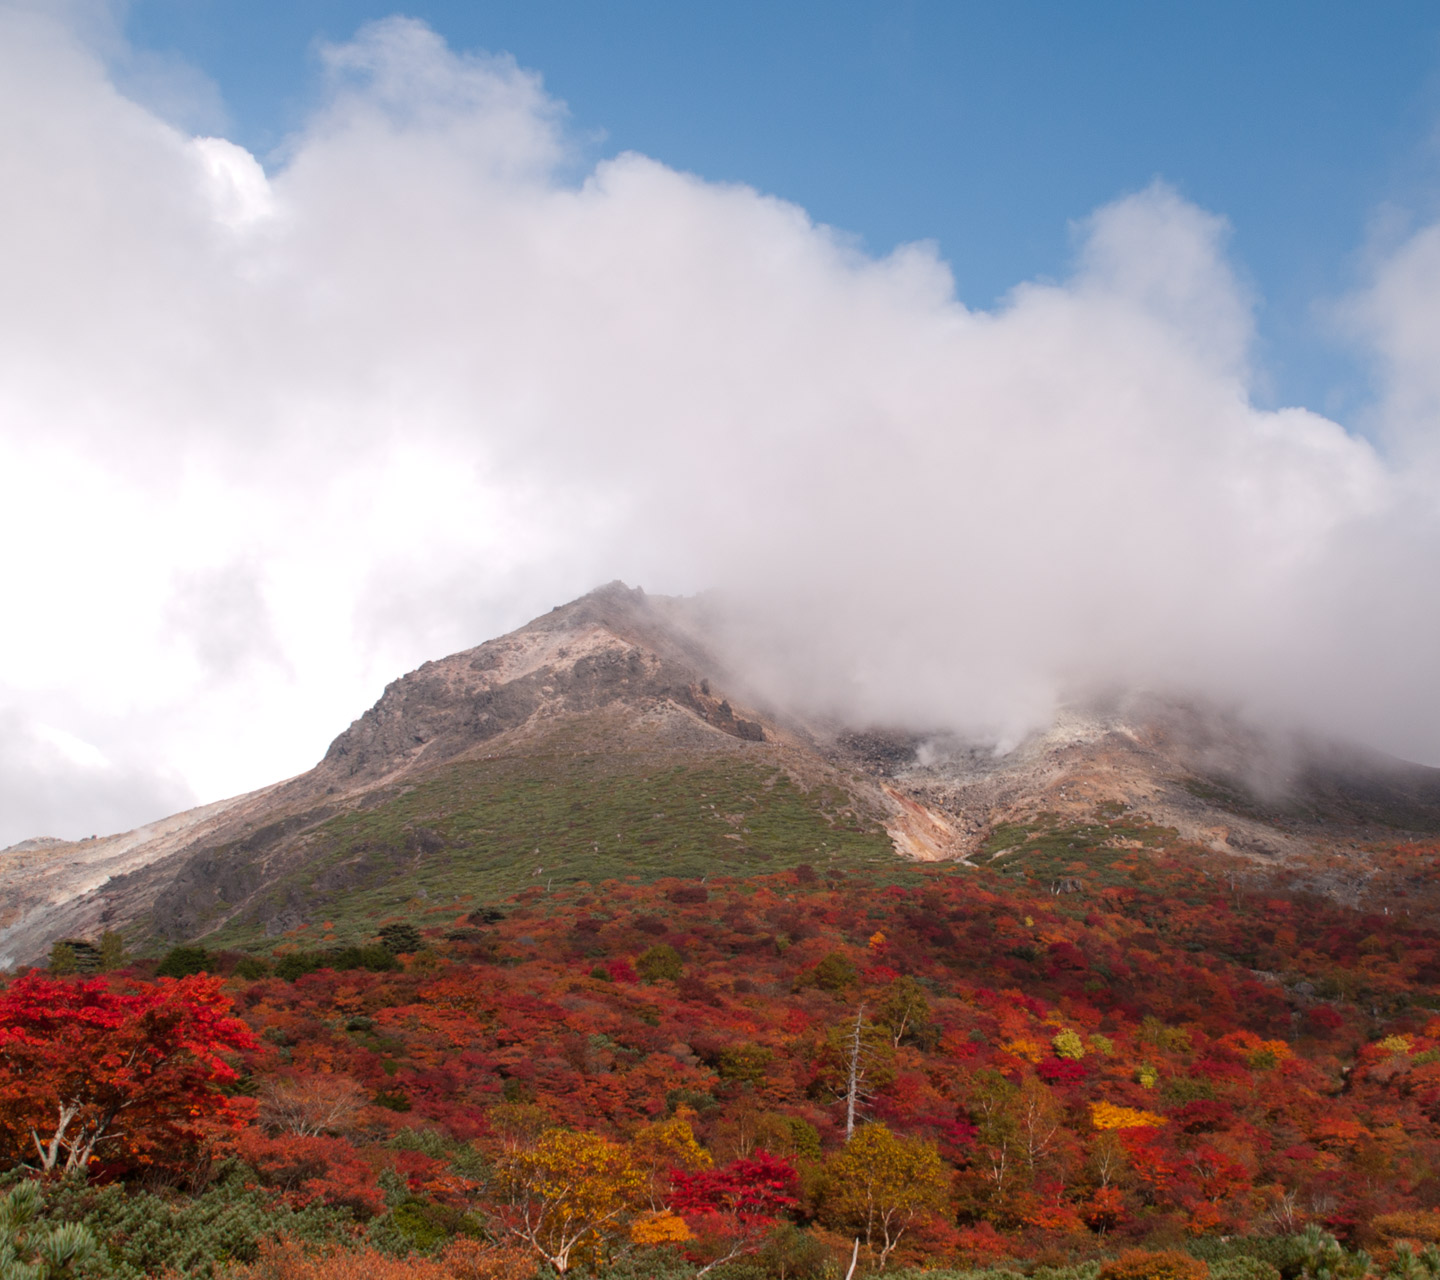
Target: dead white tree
column 856, row 1060
column 855, row 1072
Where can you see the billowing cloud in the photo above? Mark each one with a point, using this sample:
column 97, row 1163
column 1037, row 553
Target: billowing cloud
column 270, row 438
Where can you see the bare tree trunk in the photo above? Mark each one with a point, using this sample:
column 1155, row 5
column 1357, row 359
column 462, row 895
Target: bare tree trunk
column 854, row 1258
column 852, row 1076
column 49, row 1152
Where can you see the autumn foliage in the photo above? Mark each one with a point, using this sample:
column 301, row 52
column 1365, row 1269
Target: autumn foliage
column 596, row 1072
column 122, row 1073
column 1166, row 1264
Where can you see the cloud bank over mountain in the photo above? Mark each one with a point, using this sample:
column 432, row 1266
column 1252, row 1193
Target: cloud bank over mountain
column 271, row 435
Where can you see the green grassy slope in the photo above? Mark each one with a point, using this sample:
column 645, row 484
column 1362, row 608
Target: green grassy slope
column 478, row 831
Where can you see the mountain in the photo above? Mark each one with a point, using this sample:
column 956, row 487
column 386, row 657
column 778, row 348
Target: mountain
column 609, row 739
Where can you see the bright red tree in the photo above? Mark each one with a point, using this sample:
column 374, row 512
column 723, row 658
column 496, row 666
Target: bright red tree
column 129, row 1070
column 759, row 1187
column 732, row 1209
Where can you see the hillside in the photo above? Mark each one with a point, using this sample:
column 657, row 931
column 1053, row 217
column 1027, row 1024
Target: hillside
column 609, row 738
column 1153, row 979
column 1160, row 1058
column 587, row 742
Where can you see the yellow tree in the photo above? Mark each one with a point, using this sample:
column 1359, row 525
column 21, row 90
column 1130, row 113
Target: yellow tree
column 569, row 1195
column 664, row 1145
column 879, row 1183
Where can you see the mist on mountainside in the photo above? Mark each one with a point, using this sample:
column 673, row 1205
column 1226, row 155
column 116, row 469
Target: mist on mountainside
column 291, row 429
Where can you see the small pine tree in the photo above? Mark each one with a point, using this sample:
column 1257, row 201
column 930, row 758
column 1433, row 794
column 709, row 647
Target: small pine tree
column 112, row 951
column 33, row 1249
column 74, row 955
column 181, row 962
column 400, row 938
column 62, row 959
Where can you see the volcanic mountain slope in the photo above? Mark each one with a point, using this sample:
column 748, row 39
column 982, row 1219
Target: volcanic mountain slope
column 1280, row 806
column 599, row 741
column 594, row 741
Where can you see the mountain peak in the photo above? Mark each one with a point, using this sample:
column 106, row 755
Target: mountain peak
column 612, row 645
column 607, row 738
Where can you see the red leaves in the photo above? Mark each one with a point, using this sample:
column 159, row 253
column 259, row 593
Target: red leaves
column 129, row 1071
column 1061, row 1071
column 1203, row 1115
column 621, row 971
column 1067, row 956
column 758, row 1188
column 1323, row 1020
column 309, row 1169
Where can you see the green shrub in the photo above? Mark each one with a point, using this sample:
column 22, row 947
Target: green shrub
column 1082, row 1271
column 804, row 1137
column 661, row 963
column 181, row 962
column 252, row 967
column 143, row 1235
column 912, row 1273
column 298, row 963
column 393, row 1100
column 75, row 955
column 788, row 1251
column 1172, row 1039
column 744, row 1063
column 62, row 959
column 32, row 1248
column 1184, row 1089
column 1243, row 1268
column 834, row 972
column 1326, row 1259
column 1287, row 1254
column 664, row 1263
column 701, row 1103
column 400, row 938
column 112, row 951
column 420, row 1225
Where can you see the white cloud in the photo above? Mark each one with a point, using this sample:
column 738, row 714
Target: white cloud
column 269, row 440
column 1400, row 314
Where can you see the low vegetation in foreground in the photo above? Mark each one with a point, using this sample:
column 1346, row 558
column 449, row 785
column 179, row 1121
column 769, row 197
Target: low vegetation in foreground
column 1096, row 1056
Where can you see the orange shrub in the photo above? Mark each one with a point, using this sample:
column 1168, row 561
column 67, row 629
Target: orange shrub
column 1167, row 1264
column 462, row 1260
column 1422, row 1225
column 1106, row 1115
column 659, row 1228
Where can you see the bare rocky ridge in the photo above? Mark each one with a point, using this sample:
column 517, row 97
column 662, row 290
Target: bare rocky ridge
column 620, row 671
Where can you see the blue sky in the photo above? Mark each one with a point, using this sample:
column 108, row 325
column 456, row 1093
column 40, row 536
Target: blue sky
column 988, row 128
